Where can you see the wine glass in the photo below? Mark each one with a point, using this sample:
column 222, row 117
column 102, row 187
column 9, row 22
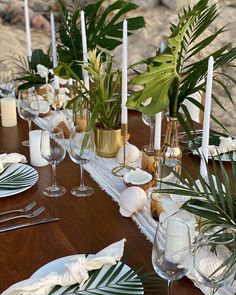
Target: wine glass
column 214, row 255
column 149, row 120
column 53, row 150
column 7, row 85
column 171, row 250
column 28, row 108
column 82, row 150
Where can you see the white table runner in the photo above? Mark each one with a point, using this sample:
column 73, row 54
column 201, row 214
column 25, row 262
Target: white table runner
column 100, row 169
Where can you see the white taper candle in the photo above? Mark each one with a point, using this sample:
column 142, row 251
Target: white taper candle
column 124, row 112
column 206, row 120
column 27, row 29
column 157, row 137
column 85, row 50
column 54, row 50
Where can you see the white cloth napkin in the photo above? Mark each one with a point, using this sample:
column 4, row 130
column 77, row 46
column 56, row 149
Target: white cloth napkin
column 76, row 271
column 11, row 158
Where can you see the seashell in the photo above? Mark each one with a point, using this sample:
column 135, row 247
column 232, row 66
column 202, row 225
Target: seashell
column 132, row 200
column 132, row 153
column 137, row 177
column 60, row 120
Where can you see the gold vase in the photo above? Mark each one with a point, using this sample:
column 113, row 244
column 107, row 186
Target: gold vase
column 171, row 153
column 107, row 142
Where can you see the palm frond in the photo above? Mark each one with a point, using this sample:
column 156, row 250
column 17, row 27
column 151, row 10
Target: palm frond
column 103, row 29
column 173, row 76
column 116, row 279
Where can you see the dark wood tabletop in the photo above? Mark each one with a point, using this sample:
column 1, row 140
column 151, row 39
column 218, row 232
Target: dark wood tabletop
column 86, row 225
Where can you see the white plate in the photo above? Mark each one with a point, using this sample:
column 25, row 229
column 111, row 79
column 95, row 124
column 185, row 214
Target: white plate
column 58, row 265
column 26, row 182
column 214, row 139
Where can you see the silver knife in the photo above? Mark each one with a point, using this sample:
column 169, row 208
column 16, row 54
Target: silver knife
column 16, row 226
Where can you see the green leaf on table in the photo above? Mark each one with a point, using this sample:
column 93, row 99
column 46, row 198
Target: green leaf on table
column 116, row 279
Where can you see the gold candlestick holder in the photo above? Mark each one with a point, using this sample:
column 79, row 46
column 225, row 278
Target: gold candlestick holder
column 123, row 168
column 157, row 155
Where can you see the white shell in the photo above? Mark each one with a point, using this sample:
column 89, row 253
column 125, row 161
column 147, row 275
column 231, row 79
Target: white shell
column 132, row 200
column 131, row 151
column 137, row 177
column 57, row 118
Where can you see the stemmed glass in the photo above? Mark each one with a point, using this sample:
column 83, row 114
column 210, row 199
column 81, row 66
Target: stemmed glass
column 214, row 256
column 52, row 150
column 149, row 120
column 82, row 150
column 171, row 250
column 28, row 108
column 6, row 82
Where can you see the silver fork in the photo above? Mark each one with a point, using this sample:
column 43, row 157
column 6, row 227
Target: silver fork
column 30, row 215
column 21, row 210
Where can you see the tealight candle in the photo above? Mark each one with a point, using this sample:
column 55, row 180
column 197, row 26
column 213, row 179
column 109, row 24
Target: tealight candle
column 8, row 112
column 124, row 112
column 35, row 154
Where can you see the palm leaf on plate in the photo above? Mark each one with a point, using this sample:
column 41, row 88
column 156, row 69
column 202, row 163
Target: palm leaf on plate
column 116, row 279
column 17, row 175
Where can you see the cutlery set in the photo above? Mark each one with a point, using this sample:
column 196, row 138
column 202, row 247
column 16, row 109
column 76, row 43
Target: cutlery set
column 24, row 210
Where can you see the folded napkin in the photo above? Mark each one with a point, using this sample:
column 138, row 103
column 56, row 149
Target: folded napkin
column 11, row 158
column 76, row 271
column 227, row 144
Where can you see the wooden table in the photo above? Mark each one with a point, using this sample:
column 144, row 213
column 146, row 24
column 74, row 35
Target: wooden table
column 86, row 225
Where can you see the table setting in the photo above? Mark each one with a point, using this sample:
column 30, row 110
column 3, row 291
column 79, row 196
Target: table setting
column 173, row 197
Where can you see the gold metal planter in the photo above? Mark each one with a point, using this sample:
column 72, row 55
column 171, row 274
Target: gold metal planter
column 107, row 142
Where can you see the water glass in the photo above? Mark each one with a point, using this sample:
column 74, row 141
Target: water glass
column 53, row 151
column 171, row 250
column 82, row 150
column 214, row 256
column 28, row 108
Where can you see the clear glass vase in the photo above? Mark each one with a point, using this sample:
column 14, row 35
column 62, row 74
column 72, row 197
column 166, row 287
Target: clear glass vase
column 170, row 155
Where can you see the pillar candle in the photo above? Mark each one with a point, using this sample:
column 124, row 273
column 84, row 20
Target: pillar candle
column 35, row 154
column 177, row 241
column 124, row 113
column 54, row 50
column 206, row 120
column 8, row 112
column 70, row 81
column 27, row 29
column 85, row 51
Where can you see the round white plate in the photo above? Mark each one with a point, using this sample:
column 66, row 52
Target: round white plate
column 30, row 182
column 58, row 265
column 214, row 139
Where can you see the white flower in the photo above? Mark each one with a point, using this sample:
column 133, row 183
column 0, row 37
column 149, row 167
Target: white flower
column 43, row 72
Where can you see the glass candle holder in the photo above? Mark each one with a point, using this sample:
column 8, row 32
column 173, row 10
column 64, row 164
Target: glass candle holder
column 156, row 204
column 148, row 161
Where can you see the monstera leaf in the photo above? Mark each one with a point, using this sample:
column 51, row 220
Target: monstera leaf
column 174, row 75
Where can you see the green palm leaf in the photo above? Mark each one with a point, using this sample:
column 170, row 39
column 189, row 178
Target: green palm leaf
column 103, row 28
column 179, row 75
column 116, row 279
